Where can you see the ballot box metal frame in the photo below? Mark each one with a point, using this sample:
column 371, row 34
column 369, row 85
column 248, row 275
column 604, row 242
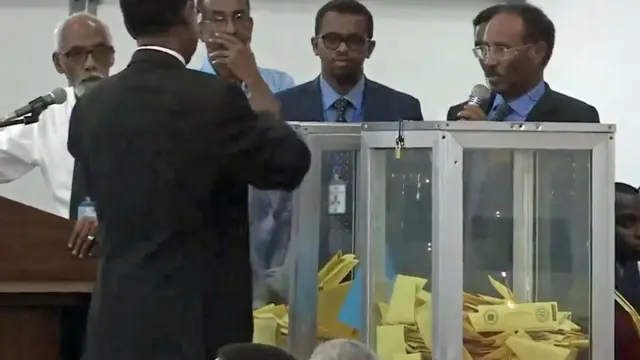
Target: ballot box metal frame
column 305, row 232
column 447, row 141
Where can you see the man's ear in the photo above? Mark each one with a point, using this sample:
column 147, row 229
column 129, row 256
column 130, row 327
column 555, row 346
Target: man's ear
column 372, row 46
column 314, row 45
column 539, row 52
column 55, row 57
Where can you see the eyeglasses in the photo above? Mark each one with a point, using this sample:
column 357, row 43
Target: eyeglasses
column 332, row 41
column 211, row 25
column 484, row 52
column 102, row 55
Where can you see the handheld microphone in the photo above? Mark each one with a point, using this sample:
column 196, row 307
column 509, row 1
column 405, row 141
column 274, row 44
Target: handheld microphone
column 480, row 96
column 39, row 104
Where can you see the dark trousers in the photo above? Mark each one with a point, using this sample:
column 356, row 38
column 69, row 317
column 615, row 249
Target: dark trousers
column 73, row 324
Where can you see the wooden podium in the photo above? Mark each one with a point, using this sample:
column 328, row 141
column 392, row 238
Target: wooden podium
column 38, row 275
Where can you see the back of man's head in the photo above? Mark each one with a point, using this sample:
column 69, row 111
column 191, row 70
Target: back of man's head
column 624, row 188
column 342, row 349
column 247, row 351
column 144, row 18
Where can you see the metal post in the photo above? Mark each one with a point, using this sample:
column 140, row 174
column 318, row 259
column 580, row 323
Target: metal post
column 89, row 6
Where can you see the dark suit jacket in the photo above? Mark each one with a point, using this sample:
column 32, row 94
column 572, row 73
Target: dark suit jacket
column 381, row 103
column 168, row 153
column 627, row 341
column 552, row 107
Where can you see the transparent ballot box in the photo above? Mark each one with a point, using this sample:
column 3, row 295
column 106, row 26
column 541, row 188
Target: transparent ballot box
column 509, row 254
column 307, row 290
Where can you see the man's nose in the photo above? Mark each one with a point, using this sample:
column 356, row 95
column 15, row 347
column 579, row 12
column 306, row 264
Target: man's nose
column 231, row 27
column 342, row 47
column 90, row 63
column 490, row 61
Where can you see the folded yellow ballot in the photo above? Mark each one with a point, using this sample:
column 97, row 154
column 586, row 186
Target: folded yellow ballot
column 271, row 321
column 532, row 316
column 390, row 341
column 402, row 305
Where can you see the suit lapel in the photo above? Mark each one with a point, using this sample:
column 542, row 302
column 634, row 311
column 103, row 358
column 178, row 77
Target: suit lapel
column 313, row 102
column 546, row 108
column 375, row 106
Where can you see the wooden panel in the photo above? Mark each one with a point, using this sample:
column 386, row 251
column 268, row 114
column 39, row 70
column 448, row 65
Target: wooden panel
column 29, row 333
column 33, row 247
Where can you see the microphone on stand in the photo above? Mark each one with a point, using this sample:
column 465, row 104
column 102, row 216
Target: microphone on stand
column 480, row 96
column 36, row 106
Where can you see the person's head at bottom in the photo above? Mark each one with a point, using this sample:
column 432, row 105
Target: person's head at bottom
column 343, row 349
column 170, row 24
column 249, row 351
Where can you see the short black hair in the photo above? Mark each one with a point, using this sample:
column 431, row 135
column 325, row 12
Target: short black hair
column 200, row 4
column 249, row 351
column 151, row 17
column 486, row 15
column 351, row 7
column 624, row 188
column 538, row 26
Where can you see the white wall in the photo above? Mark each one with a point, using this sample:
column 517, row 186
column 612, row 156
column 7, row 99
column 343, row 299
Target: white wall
column 596, row 60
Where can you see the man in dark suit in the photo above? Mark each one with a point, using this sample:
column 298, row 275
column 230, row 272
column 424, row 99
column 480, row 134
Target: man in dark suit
column 517, row 45
column 343, row 40
column 168, row 154
column 627, row 211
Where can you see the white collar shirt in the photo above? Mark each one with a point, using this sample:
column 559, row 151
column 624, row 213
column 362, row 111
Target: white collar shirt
column 164, row 50
column 42, row 145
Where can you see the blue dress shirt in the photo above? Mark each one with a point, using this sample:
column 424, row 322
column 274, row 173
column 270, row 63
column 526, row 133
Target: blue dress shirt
column 355, row 111
column 521, row 106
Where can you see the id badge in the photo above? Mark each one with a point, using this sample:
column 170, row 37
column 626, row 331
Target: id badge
column 337, row 196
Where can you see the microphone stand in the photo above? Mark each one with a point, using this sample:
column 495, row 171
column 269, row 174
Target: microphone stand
column 32, row 118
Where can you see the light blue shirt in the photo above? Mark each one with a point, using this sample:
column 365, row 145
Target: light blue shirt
column 521, row 106
column 355, row 111
column 276, row 80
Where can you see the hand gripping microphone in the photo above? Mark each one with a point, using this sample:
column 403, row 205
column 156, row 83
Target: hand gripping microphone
column 38, row 105
column 480, row 96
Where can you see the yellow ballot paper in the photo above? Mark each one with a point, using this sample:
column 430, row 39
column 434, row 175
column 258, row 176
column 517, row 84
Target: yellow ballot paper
column 415, row 356
column 336, row 270
column 330, row 300
column 390, row 341
column 265, row 330
column 502, row 290
column 530, row 316
column 402, row 306
column 526, row 349
column 493, row 328
column 424, row 319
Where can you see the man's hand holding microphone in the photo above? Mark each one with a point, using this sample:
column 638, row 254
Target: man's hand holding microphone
column 474, row 110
